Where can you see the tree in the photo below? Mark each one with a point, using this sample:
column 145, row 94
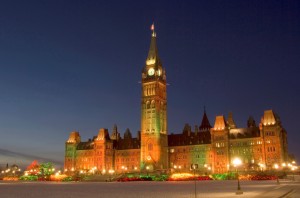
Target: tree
column 46, row 169
column 33, row 168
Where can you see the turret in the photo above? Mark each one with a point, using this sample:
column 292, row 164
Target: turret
column 230, row 122
column 205, row 125
column 70, row 151
column 115, row 134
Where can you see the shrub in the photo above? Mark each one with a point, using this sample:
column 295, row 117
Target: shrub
column 29, row 178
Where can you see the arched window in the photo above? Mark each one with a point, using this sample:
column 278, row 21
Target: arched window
column 148, row 105
column 152, row 104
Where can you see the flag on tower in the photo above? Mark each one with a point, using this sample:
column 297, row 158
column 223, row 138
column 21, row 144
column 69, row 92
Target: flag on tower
column 152, row 27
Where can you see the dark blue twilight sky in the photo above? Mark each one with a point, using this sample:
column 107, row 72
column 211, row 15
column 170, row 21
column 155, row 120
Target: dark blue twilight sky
column 76, row 65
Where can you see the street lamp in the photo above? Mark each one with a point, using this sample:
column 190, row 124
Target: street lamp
column 147, row 168
column 276, row 168
column 111, row 172
column 293, row 168
column 123, row 167
column 236, row 163
column 194, row 167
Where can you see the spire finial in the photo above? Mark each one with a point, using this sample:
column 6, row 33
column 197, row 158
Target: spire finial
column 204, row 109
column 153, row 30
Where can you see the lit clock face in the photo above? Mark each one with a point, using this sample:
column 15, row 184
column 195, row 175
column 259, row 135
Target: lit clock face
column 151, row 72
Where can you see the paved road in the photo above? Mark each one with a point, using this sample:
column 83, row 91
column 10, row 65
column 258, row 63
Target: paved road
column 207, row 189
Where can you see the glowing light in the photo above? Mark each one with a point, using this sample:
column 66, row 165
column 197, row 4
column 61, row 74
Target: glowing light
column 237, row 162
column 284, row 164
column 181, row 175
column 111, row 171
column 152, row 27
column 293, row 168
column 276, row 166
column 150, row 61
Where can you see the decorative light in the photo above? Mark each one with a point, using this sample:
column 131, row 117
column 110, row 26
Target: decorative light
column 276, row 166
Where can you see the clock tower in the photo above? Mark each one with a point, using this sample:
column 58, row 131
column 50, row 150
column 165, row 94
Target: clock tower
column 154, row 135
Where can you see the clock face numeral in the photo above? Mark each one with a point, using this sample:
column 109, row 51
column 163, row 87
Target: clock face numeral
column 151, row 72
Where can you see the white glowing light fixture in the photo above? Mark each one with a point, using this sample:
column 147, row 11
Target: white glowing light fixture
column 237, row 162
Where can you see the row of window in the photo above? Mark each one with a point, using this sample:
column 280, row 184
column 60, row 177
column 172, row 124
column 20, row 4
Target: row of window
column 127, row 153
column 271, row 149
column 220, row 144
column 270, row 133
column 127, row 159
column 183, row 150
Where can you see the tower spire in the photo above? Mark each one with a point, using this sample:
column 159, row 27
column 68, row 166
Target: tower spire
column 153, row 58
column 153, row 30
column 205, row 125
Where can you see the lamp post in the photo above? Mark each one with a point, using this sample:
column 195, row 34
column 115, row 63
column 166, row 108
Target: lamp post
column 111, row 172
column 236, row 163
column 123, row 167
column 194, row 167
column 276, row 169
column 293, row 178
column 147, row 168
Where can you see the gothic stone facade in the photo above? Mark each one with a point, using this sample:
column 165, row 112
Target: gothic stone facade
column 211, row 148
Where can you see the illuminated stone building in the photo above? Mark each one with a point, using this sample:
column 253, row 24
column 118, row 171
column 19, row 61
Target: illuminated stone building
column 211, row 148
